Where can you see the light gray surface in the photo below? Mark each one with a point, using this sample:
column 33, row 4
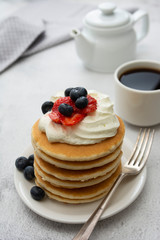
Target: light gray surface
column 23, row 88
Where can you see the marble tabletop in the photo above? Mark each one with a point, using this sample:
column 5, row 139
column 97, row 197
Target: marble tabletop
column 23, row 88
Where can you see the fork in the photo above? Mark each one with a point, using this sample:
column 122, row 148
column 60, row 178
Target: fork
column 133, row 166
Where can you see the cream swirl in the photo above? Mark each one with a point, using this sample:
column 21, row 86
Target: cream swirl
column 94, row 128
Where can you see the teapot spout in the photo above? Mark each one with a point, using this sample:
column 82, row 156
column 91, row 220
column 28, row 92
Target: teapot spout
column 75, row 33
column 84, row 46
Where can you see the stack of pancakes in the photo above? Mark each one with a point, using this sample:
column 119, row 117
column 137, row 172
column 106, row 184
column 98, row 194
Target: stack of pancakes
column 76, row 173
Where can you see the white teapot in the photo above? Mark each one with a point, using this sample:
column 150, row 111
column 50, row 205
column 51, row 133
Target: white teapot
column 108, row 37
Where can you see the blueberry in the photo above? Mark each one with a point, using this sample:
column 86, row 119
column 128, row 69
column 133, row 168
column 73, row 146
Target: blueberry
column 37, row 193
column 81, row 102
column 78, row 92
column 47, row 106
column 29, row 172
column 21, row 163
column 31, row 160
column 67, row 92
column 65, row 109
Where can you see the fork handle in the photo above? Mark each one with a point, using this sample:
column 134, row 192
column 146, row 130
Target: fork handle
column 89, row 226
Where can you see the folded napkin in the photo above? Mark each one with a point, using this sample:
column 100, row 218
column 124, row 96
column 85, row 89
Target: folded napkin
column 59, row 18
column 16, row 36
column 37, row 26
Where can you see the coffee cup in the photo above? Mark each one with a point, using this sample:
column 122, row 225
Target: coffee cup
column 138, row 105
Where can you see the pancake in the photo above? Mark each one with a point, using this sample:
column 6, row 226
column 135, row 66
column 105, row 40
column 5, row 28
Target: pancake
column 70, row 184
column 74, row 201
column 78, row 175
column 79, row 195
column 77, row 165
column 69, row 152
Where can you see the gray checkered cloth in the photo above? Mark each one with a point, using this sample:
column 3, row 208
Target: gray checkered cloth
column 39, row 25
column 16, row 36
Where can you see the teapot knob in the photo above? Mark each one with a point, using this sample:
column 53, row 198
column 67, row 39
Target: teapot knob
column 107, row 8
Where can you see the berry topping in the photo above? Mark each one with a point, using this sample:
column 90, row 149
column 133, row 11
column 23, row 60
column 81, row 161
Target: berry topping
column 55, row 117
column 37, row 193
column 69, row 121
column 61, row 100
column 65, row 109
column 71, row 110
column 67, row 92
column 91, row 107
column 29, row 172
column 81, row 102
column 77, row 92
column 21, row 163
column 31, row 160
column 47, row 106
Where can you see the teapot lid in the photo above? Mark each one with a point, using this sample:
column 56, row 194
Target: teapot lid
column 107, row 16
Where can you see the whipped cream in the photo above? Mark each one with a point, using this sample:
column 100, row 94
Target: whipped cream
column 94, row 128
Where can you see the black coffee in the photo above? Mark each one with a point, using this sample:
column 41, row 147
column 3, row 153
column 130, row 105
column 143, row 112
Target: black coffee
column 141, row 79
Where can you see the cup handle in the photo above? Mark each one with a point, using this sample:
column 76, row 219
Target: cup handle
column 143, row 15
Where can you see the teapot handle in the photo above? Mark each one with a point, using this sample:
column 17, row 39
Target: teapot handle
column 141, row 15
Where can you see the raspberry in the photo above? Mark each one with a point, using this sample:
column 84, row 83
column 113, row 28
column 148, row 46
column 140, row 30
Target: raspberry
column 55, row 117
column 74, row 119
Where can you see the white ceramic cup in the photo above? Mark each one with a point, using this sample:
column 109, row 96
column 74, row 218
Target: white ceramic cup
column 141, row 108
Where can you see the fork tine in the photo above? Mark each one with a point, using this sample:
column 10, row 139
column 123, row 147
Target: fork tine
column 135, row 147
column 145, row 155
column 138, row 146
column 142, row 148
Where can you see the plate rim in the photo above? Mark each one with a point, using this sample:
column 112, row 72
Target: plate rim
column 69, row 221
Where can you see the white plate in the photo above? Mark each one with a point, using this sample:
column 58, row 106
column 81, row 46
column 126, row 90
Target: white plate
column 126, row 193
